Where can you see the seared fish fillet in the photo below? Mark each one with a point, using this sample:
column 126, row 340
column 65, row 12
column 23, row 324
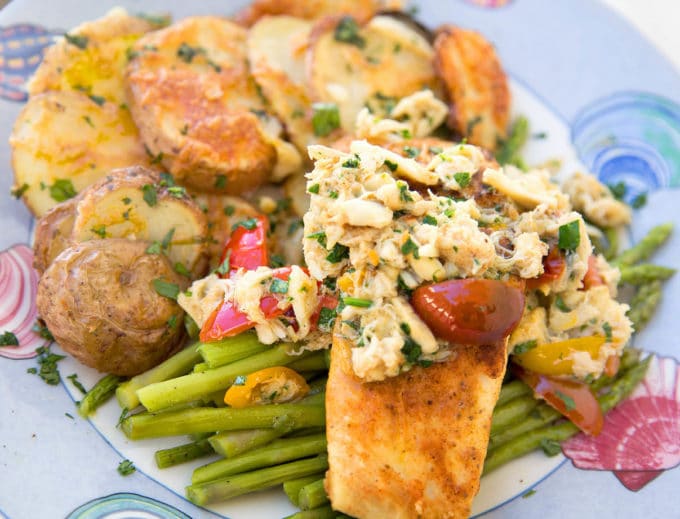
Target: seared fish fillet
column 412, row 446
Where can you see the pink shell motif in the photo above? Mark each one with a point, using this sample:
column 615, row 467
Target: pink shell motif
column 641, row 437
column 489, row 4
column 18, row 314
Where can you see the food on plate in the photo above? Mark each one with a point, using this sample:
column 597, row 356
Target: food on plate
column 419, row 248
column 359, row 9
column 199, row 111
column 475, row 84
column 138, row 203
column 101, row 301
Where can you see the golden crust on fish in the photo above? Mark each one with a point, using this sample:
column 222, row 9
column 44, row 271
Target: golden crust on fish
column 475, row 83
column 92, row 57
column 311, row 9
column 388, row 58
column 63, row 137
column 196, row 105
column 412, row 446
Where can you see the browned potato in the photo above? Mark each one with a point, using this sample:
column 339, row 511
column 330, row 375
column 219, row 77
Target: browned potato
column 384, row 59
column 99, row 301
column 136, row 203
column 53, row 233
column 310, row 9
column 476, row 85
column 197, row 106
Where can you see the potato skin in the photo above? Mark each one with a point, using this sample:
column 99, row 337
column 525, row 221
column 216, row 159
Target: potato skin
column 98, row 300
column 53, row 233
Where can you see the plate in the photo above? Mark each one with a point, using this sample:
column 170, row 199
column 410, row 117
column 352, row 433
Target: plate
column 600, row 97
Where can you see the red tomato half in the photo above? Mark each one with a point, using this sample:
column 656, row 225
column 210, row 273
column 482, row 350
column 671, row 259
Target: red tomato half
column 592, row 277
column 470, row 311
column 572, row 398
column 553, row 267
column 247, row 248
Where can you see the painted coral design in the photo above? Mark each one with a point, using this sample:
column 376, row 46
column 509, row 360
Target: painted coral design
column 22, row 47
column 126, row 505
column 490, row 4
column 640, row 437
column 18, row 314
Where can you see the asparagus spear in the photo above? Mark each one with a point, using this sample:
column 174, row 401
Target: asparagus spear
column 179, row 364
column 313, row 495
column 512, row 390
column 645, row 247
column 644, row 303
column 510, row 148
column 315, row 362
column 231, row 349
column 233, row 443
column 644, row 273
column 232, row 486
column 275, row 453
column 182, row 453
column 99, row 394
column 196, row 385
column 292, row 488
column 323, row 512
column 209, row 419
column 511, row 412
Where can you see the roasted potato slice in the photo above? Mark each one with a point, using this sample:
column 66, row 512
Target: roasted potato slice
column 352, row 66
column 53, row 233
column 92, row 57
column 222, row 212
column 99, row 300
column 63, row 141
column 197, row 106
column 311, row 9
column 136, row 203
column 476, row 85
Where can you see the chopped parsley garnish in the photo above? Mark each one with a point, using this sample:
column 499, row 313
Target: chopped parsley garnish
column 347, row 31
column 411, row 152
column 392, row 166
column 177, row 191
column 411, row 350
column 410, row 247
column 89, row 122
column 325, row 119
column 154, row 248
column 62, row 189
column 330, row 283
column 550, row 447
column 220, row 181
column 561, row 305
column 48, row 366
column 320, row 238
column 150, row 194
column 405, row 328
column 326, row 319
column 187, row 53
column 569, row 403
column 158, row 20
column 359, row 302
column 525, row 346
column 528, row 494
column 99, row 230
column 98, row 100
column 276, row 260
column 74, row 380
column 167, row 239
column 172, row 321
column 314, row 189
column 77, row 40
column 43, row 331
column 404, row 195
column 126, row 467
column 18, row 192
column 181, row 269
column 639, row 201
column 403, row 287
column 229, row 210
column 333, row 194
column 225, row 266
column 9, row 339
column 618, row 190
column 435, row 150
column 240, row 380
column 126, row 200
column 167, row 180
column 165, row 288
column 249, row 224
column 607, row 328
column 337, row 254
column 463, row 179
column 406, row 133
column 278, row 286
column 429, row 220
column 569, row 236
column 351, row 163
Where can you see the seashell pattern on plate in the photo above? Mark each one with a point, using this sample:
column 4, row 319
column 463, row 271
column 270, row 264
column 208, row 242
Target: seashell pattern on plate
column 630, row 137
column 18, row 314
column 126, row 505
column 488, row 4
column 22, row 47
column 641, row 436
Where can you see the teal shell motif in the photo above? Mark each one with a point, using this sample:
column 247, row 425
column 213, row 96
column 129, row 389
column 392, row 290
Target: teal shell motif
column 126, row 505
column 22, row 47
column 633, row 138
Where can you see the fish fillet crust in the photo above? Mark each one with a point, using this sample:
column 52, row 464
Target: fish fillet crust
column 412, row 446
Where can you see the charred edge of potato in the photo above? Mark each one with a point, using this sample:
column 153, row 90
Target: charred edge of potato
column 53, row 233
column 98, row 300
column 135, row 203
column 195, row 104
column 476, row 85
